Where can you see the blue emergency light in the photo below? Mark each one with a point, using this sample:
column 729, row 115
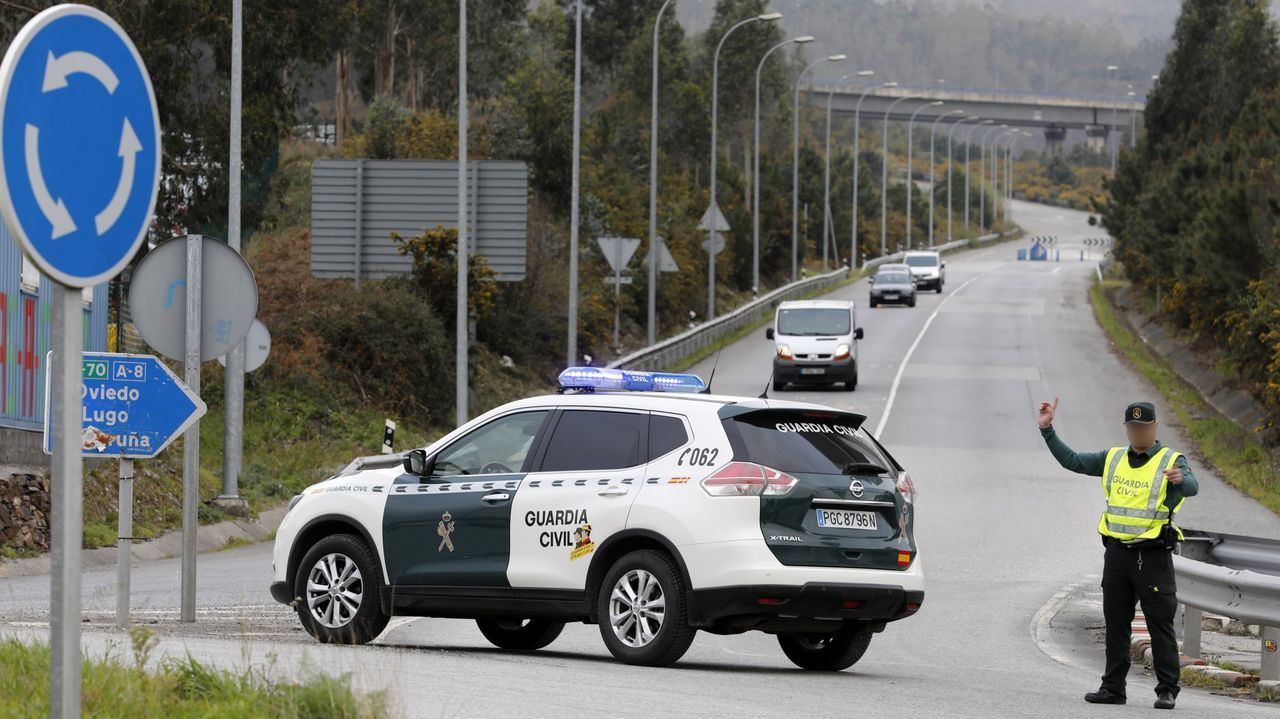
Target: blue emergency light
column 604, row 378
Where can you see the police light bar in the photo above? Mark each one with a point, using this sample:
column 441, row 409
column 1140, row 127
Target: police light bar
column 597, row 378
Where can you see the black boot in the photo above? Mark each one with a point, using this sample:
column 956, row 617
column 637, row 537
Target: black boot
column 1164, row 700
column 1104, row 696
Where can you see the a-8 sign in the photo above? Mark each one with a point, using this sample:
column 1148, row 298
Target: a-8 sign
column 133, row 406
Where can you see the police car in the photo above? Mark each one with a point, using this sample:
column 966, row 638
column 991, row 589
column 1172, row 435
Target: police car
column 629, row 500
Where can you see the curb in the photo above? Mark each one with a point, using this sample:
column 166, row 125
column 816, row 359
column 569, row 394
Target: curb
column 209, row 537
column 1140, row 650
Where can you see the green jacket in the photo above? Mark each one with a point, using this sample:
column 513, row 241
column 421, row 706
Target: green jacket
column 1094, row 465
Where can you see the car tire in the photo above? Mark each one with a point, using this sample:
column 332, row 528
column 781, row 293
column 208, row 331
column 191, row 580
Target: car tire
column 631, row 587
column 912, row 302
column 873, row 304
column 779, row 385
column 826, row 653
column 354, row 618
column 851, row 383
column 520, row 635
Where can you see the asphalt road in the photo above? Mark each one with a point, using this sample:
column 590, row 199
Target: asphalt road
column 953, row 384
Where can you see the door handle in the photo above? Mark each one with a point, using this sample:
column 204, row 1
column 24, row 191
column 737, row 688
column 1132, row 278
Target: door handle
column 612, row 491
column 495, row 497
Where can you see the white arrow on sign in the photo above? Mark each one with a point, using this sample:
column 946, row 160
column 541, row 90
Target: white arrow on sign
column 57, row 69
column 55, row 211
column 129, row 149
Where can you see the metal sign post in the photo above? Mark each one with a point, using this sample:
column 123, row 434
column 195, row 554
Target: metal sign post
column 124, row 542
column 191, row 441
column 79, row 171
column 617, row 251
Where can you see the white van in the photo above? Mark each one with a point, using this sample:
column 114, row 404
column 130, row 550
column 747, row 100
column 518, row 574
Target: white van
column 815, row 342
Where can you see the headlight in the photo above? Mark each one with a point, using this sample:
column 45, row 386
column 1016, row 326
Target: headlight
column 842, row 351
column 784, row 352
column 293, row 502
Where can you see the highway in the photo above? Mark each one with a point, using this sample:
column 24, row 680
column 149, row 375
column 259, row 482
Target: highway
column 953, row 384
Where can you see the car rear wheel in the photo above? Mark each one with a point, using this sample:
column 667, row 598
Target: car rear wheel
column 520, row 635
column 912, row 302
column 340, row 584
column 826, row 652
column 641, row 609
column 873, row 304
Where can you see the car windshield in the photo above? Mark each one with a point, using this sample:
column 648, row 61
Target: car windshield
column 813, row 321
column 892, row 278
column 922, row 261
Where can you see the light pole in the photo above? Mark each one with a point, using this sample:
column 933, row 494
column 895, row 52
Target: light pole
column 933, row 189
column 713, row 212
column 857, row 152
column 1114, row 70
column 1133, row 116
column 997, row 195
column 826, row 178
column 1008, row 175
column 950, row 162
column 884, row 177
column 982, row 177
column 910, row 180
column 652, row 333
column 967, row 169
column 462, row 408
column 575, row 183
column 795, row 163
column 755, row 172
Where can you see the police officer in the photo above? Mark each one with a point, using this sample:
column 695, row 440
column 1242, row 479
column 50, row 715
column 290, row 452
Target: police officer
column 1145, row 484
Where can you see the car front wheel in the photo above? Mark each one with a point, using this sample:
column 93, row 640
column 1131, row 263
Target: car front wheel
column 520, row 635
column 339, row 584
column 826, row 652
column 641, row 608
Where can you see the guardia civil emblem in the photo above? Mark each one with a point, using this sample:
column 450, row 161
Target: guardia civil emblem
column 445, row 529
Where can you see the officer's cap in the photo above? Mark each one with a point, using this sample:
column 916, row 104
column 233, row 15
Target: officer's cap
column 1140, row 413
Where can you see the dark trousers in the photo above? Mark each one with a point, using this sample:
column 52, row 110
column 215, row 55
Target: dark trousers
column 1145, row 575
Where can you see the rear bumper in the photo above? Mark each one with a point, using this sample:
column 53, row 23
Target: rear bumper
column 768, row 605
column 900, row 298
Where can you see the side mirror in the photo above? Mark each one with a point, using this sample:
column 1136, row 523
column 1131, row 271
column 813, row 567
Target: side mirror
column 768, row 333
column 415, row 462
column 857, row 334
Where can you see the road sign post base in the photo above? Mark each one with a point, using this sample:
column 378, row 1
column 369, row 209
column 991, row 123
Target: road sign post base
column 238, row 506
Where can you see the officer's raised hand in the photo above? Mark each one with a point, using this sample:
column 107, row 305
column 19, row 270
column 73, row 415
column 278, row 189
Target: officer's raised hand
column 1047, row 410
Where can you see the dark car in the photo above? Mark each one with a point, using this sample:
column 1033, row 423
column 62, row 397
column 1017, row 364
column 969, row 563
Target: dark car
column 894, row 287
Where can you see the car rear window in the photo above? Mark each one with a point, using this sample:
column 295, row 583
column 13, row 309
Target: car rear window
column 799, row 442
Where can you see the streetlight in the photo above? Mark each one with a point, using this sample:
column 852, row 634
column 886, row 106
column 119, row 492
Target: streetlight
column 910, row 181
column 968, row 145
column 755, row 175
column 573, row 193
column 997, row 195
column 1114, row 70
column 950, row 162
column 828, row 233
column 1008, row 175
column 653, row 185
column 857, row 152
column 933, row 130
column 884, row 177
column 982, row 177
column 1133, row 117
column 795, row 163
column 713, row 212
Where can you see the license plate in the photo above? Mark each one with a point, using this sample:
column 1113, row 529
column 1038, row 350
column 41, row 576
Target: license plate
column 891, row 297
column 813, row 370
column 846, row 519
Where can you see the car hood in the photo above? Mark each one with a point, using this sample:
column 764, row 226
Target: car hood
column 917, row 271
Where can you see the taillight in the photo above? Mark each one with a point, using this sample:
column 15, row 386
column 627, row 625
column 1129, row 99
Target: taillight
column 842, row 351
column 748, row 479
column 906, row 487
column 784, row 352
column 904, row 559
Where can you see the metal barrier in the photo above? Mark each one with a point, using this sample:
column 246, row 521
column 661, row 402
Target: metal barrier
column 1234, row 576
column 667, row 352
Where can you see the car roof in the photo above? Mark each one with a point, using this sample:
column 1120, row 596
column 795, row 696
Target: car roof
column 800, row 304
column 657, row 401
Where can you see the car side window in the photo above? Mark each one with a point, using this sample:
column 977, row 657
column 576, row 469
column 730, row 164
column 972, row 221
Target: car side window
column 590, row 439
column 665, row 434
column 498, row 447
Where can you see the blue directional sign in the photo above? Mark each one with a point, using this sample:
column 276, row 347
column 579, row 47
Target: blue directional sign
column 133, row 406
column 79, row 144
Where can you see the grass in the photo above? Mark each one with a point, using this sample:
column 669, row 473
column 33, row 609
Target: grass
column 176, row 689
column 235, row 542
column 1191, row 678
column 1238, row 456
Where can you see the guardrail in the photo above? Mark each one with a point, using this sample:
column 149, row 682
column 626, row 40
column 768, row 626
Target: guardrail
column 1236, row 577
column 666, row 353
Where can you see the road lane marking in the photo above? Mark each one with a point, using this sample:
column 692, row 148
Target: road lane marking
column 897, row 378
column 1056, row 270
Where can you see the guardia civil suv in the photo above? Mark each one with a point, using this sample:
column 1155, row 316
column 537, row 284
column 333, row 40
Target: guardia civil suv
column 629, row 500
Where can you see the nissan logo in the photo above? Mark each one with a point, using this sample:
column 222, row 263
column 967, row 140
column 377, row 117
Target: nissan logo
column 856, row 487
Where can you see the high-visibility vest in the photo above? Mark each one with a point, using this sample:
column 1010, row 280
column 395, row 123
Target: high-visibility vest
column 1135, row 496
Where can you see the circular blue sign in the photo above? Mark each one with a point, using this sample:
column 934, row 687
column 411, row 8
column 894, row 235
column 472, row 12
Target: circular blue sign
column 79, row 144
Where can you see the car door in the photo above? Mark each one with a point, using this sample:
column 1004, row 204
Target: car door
column 452, row 527
column 578, row 496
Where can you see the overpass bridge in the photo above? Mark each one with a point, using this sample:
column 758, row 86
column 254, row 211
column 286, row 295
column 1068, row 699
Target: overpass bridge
column 1055, row 115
